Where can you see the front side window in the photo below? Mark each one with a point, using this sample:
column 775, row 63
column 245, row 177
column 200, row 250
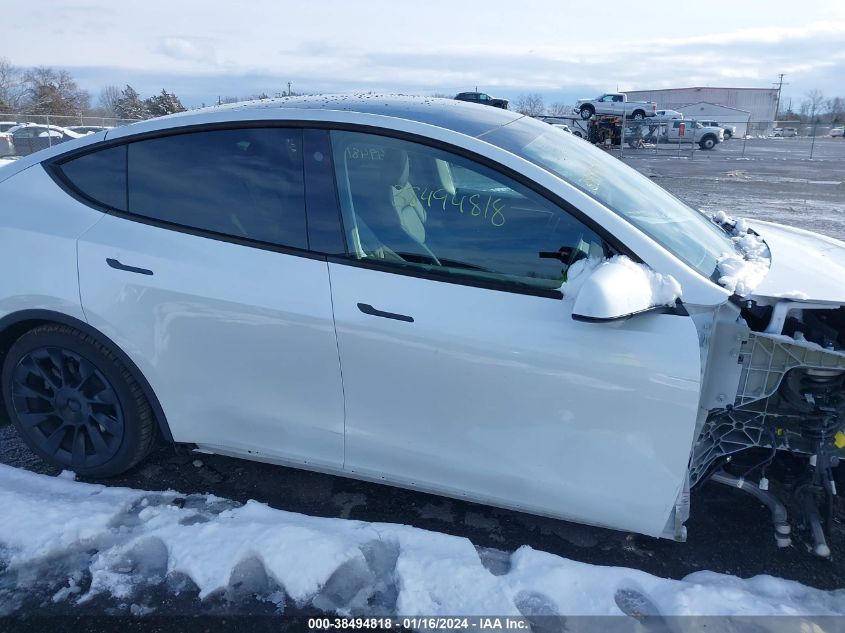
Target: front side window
column 419, row 208
column 246, row 183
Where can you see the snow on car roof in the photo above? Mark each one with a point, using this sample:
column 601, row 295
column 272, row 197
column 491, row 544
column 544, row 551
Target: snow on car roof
column 459, row 116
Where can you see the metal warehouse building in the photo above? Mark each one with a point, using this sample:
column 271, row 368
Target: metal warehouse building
column 758, row 103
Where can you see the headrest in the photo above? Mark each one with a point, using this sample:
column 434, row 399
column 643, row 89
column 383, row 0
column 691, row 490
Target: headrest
column 396, row 167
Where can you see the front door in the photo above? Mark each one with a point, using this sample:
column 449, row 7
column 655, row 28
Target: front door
column 463, row 369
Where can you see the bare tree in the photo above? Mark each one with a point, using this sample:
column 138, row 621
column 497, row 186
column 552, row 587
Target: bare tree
column 530, row 104
column 50, row 91
column 559, row 109
column 815, row 100
column 12, row 89
column 836, row 109
column 108, row 100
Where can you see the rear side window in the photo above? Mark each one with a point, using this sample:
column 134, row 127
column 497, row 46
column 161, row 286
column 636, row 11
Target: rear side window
column 100, row 176
column 246, row 183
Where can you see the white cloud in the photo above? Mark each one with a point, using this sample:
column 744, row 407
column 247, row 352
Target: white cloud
column 537, row 45
column 186, row 48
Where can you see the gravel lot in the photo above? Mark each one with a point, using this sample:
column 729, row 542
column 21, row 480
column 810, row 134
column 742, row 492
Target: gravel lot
column 774, row 180
column 728, row 532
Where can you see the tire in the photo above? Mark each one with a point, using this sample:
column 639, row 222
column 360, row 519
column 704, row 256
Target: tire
column 587, row 111
column 578, row 134
column 75, row 404
column 638, row 115
column 708, row 142
column 728, row 135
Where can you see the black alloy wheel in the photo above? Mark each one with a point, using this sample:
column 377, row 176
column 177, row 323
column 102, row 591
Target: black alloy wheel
column 74, row 403
column 68, row 407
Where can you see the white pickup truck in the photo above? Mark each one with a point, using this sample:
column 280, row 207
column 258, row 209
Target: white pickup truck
column 680, row 131
column 615, row 103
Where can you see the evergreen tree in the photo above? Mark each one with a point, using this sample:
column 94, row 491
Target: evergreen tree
column 164, row 103
column 130, row 106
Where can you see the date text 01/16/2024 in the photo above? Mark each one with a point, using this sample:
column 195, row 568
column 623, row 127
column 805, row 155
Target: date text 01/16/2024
column 421, row 623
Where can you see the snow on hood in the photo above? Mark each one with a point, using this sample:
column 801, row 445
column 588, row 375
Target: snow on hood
column 782, row 262
column 655, row 289
column 741, row 271
column 54, row 531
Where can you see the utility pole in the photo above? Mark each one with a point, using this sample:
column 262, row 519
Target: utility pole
column 780, row 86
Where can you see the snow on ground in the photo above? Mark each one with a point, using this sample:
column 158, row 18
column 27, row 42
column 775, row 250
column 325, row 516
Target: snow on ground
column 743, row 270
column 98, row 540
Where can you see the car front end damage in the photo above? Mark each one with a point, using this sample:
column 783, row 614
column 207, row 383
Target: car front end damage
column 774, row 380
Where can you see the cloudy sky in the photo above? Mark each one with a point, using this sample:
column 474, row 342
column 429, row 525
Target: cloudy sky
column 561, row 49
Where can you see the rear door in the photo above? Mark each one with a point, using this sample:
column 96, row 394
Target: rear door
column 202, row 275
column 463, row 369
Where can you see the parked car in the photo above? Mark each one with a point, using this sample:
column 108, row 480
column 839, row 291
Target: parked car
column 789, row 132
column 728, row 130
column 777, row 132
column 31, row 137
column 5, row 126
column 615, row 103
column 667, row 115
column 7, row 146
column 837, row 131
column 88, row 129
column 483, row 99
column 362, row 295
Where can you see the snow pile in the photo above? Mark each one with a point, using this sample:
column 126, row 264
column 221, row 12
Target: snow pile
column 742, row 271
column 120, row 541
column 647, row 286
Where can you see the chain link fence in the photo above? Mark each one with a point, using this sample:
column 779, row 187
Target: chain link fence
column 23, row 134
column 698, row 138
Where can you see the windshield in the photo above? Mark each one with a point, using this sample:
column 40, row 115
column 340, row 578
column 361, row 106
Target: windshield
column 683, row 231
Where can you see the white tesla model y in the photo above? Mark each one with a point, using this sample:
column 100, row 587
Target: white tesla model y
column 422, row 292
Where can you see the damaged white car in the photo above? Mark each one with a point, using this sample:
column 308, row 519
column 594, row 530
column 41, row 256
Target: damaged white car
column 414, row 291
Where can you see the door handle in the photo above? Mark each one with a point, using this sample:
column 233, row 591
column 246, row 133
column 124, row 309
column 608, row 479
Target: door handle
column 132, row 269
column 366, row 308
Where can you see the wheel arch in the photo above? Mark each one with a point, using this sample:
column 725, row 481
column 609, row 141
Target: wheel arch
column 14, row 325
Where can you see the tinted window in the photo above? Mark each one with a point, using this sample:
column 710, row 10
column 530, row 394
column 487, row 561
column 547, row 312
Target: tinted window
column 100, row 175
column 245, row 183
column 417, row 207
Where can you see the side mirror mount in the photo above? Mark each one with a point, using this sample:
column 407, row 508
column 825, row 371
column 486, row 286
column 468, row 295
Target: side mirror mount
column 620, row 288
